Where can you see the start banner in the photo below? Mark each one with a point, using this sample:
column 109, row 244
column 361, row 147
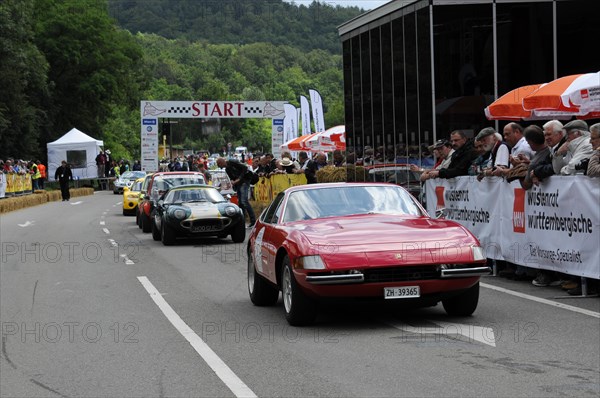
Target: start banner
column 555, row 226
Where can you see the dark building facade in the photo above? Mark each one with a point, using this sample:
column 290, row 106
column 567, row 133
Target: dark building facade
column 414, row 71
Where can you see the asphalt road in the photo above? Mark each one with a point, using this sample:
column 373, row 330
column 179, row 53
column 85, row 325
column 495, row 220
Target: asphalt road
column 92, row 307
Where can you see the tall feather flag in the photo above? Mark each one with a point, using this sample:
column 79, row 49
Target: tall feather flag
column 305, row 115
column 317, row 110
column 290, row 123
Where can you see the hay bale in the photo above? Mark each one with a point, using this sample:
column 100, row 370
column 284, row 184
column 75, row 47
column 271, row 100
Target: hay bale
column 37, row 198
column 342, row 174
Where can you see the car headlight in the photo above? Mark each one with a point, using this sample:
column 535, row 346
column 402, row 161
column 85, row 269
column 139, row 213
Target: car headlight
column 310, row 262
column 179, row 214
column 478, row 253
column 230, row 211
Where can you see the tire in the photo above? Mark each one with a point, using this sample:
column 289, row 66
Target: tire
column 125, row 212
column 262, row 293
column 167, row 234
column 300, row 310
column 238, row 235
column 464, row 304
column 156, row 235
column 146, row 223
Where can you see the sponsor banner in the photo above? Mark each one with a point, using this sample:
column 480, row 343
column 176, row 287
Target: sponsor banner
column 281, row 182
column 290, row 123
column 212, row 109
column 469, row 204
column 305, row 115
column 317, row 110
column 555, row 226
column 149, row 144
column 277, row 135
column 262, row 190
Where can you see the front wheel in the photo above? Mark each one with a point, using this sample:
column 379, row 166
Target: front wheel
column 239, row 233
column 464, row 304
column 299, row 309
column 167, row 234
column 155, row 231
column 262, row 293
column 146, row 222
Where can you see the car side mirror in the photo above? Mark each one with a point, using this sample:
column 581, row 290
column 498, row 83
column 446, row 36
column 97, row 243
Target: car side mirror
column 440, row 213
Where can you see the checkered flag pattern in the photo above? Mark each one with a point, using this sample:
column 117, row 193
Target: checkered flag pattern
column 180, row 109
column 253, row 110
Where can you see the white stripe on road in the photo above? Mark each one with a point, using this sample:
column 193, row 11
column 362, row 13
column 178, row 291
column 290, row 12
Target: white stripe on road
column 234, row 383
column 106, row 231
column 102, row 223
column 543, row 301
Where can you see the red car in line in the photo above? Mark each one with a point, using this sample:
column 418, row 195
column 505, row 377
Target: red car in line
column 360, row 240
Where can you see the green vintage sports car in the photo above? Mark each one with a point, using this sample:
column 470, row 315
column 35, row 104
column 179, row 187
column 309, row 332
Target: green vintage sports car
column 196, row 211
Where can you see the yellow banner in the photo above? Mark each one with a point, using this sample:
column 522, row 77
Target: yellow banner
column 10, row 184
column 262, row 190
column 281, row 182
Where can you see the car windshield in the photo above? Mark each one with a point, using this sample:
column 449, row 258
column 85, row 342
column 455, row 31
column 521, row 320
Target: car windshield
column 394, row 176
column 194, row 195
column 132, row 175
column 163, row 183
column 344, row 201
column 137, row 186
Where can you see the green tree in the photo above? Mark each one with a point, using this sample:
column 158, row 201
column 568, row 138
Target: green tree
column 93, row 64
column 23, row 87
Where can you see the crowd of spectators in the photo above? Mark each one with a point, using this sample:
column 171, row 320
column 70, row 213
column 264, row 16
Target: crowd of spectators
column 528, row 155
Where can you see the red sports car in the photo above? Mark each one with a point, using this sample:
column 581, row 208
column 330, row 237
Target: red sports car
column 360, row 240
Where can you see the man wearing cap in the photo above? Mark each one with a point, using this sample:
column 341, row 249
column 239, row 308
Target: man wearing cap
column 461, row 159
column 594, row 164
column 499, row 151
column 568, row 158
column 443, row 153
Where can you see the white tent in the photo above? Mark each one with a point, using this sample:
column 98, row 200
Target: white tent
column 78, row 149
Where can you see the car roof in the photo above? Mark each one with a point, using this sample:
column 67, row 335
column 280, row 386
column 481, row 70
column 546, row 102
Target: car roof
column 190, row 186
column 339, row 185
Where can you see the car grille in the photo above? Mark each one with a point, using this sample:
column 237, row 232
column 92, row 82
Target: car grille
column 401, row 274
column 207, row 224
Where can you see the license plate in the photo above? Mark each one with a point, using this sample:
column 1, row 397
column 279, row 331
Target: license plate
column 205, row 228
column 401, row 292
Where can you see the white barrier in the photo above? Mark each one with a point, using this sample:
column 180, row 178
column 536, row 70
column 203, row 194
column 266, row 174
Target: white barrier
column 555, row 226
column 2, row 184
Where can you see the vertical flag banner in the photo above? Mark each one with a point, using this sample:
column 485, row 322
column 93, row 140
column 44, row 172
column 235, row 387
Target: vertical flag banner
column 290, row 123
column 317, row 110
column 305, row 115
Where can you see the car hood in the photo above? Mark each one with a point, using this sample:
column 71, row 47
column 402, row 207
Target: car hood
column 202, row 210
column 376, row 240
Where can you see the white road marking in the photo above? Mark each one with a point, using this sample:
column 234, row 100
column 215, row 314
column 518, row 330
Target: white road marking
column 102, row 223
column 106, row 231
column 234, row 383
column 76, row 203
column 26, row 224
column 113, row 243
column 478, row 333
column 543, row 301
column 128, row 261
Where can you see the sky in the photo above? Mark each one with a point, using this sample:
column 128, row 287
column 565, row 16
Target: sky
column 365, row 4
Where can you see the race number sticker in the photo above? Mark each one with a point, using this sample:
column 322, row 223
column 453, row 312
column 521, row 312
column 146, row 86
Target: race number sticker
column 258, row 250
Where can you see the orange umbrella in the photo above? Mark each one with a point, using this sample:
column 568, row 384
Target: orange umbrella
column 298, row 144
column 510, row 105
column 558, row 95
